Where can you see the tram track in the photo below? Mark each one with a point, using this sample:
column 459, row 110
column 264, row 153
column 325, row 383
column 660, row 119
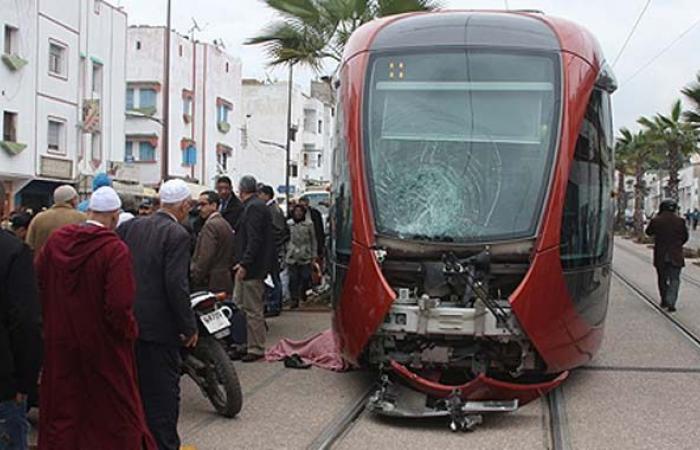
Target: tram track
column 342, row 422
column 559, row 437
column 685, row 277
column 682, row 328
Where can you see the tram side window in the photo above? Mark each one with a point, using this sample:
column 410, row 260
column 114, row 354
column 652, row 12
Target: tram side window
column 585, row 237
column 341, row 215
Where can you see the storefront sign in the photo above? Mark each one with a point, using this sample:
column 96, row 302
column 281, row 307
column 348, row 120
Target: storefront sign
column 56, row 168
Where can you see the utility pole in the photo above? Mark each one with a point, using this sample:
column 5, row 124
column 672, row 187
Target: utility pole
column 289, row 131
column 165, row 156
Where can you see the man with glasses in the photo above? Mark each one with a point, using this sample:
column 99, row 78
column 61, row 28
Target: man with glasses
column 213, row 254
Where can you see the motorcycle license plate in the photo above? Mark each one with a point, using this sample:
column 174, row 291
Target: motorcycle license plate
column 215, row 321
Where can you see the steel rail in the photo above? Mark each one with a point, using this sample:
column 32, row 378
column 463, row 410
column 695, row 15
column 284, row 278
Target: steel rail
column 677, row 324
column 342, row 422
column 558, row 423
column 684, row 276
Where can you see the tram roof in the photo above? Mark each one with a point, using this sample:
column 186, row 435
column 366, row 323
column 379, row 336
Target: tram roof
column 524, row 30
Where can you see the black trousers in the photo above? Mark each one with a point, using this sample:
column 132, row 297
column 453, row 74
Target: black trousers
column 299, row 281
column 669, row 282
column 159, row 369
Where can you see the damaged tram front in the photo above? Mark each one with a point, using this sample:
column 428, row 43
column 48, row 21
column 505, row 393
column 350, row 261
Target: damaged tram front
column 451, row 190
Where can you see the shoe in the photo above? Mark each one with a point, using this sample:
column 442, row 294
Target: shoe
column 251, row 357
column 663, row 305
column 235, row 355
column 671, row 309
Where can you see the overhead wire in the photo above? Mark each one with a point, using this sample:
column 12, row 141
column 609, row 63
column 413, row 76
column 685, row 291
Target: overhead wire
column 661, row 53
column 631, row 33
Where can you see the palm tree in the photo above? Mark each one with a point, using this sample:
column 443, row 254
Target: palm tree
column 312, row 31
column 641, row 155
column 692, row 93
column 677, row 138
column 623, row 168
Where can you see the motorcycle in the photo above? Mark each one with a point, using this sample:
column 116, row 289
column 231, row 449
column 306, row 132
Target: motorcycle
column 208, row 364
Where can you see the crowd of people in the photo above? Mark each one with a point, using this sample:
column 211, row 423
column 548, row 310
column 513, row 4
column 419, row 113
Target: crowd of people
column 95, row 310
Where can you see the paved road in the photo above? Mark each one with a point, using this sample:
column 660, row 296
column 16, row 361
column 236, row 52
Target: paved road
column 642, row 391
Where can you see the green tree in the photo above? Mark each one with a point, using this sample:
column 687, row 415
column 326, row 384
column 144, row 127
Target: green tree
column 676, row 138
column 692, row 93
column 312, row 31
column 623, row 168
column 641, row 155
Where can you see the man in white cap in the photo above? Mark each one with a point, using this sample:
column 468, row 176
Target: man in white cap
column 160, row 246
column 62, row 213
column 89, row 388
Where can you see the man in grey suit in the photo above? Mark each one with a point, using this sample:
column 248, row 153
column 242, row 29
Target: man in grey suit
column 160, row 248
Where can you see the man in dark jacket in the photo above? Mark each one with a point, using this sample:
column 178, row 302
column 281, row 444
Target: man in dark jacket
column 20, row 336
column 670, row 233
column 254, row 250
column 213, row 255
column 160, row 248
column 280, row 235
column 230, row 206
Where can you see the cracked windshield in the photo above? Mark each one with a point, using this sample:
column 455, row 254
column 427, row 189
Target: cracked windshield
column 459, row 143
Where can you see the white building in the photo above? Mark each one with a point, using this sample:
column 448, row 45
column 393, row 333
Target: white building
column 205, row 107
column 62, row 79
column 264, row 134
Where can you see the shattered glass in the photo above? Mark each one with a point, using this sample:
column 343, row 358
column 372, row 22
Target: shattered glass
column 458, row 153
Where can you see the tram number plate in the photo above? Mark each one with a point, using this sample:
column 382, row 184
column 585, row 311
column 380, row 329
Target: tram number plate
column 215, row 321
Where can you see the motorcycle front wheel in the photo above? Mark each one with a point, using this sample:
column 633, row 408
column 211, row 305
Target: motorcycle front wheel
column 221, row 386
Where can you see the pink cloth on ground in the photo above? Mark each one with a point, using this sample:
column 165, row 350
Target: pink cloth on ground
column 319, row 350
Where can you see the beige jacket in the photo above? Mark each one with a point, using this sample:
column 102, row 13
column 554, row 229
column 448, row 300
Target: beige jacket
column 47, row 222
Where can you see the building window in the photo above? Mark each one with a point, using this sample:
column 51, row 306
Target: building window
column 227, row 67
column 147, row 151
column 222, row 113
column 57, row 59
column 56, row 139
column 320, row 158
column 189, row 155
column 129, row 152
column 98, row 6
column 179, row 50
column 129, row 99
column 222, row 160
column 138, row 45
column 10, row 40
column 147, row 98
column 306, row 160
column 96, row 147
column 187, row 106
column 9, row 127
column 320, row 126
column 97, row 79
column 293, row 170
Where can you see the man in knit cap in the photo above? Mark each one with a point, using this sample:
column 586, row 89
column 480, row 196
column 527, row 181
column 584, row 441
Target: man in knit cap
column 160, row 246
column 62, row 213
column 89, row 395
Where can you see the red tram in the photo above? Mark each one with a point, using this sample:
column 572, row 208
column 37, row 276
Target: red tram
column 472, row 210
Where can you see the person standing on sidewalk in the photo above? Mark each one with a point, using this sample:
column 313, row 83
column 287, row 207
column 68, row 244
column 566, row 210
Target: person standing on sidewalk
column 670, row 233
column 62, row 213
column 20, row 337
column 254, row 250
column 230, row 206
column 160, row 247
column 89, row 391
column 280, row 235
column 301, row 252
column 213, row 254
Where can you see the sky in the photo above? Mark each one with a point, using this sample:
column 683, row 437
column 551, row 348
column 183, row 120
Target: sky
column 652, row 90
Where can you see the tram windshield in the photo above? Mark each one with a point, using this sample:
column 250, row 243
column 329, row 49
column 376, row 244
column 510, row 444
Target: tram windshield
column 460, row 143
